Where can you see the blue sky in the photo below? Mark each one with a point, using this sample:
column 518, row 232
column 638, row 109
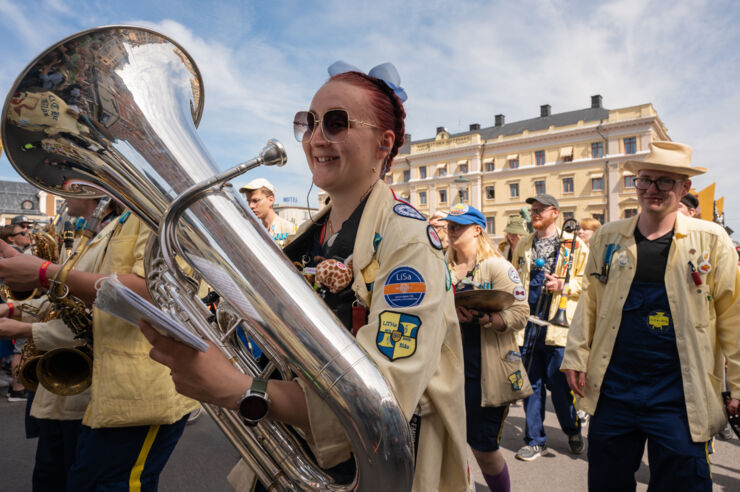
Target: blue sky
column 460, row 62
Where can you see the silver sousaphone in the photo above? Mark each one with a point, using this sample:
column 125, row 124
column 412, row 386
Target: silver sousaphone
column 115, row 109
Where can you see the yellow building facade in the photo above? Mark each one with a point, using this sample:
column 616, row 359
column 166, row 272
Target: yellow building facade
column 576, row 156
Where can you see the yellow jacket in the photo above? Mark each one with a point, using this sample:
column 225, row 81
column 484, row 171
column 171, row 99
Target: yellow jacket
column 498, row 274
column 128, row 388
column 706, row 317
column 522, row 260
column 431, row 376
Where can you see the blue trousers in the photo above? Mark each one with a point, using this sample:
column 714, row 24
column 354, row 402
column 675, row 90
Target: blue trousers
column 55, row 453
column 543, row 362
column 616, row 442
column 122, row 458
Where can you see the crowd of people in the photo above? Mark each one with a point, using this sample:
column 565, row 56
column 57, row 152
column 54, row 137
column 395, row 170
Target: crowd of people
column 631, row 323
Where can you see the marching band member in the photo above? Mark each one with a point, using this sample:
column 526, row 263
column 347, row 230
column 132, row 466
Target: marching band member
column 514, row 230
column 134, row 416
column 494, row 373
column 350, row 136
column 260, row 195
column 542, row 259
column 658, row 311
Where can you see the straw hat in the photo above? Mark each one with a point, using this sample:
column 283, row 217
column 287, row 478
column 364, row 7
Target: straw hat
column 672, row 157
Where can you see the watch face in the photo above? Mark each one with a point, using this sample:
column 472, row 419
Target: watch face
column 253, row 407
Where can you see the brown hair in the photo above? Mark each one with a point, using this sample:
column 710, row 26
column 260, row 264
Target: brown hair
column 387, row 108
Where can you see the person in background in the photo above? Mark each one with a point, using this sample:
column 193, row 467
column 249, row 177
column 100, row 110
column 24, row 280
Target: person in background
column 440, row 227
column 260, row 195
column 658, row 312
column 689, row 205
column 586, row 229
column 514, row 230
column 489, row 340
column 19, row 236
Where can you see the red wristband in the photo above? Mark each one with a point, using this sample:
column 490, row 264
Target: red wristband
column 11, row 308
column 42, row 275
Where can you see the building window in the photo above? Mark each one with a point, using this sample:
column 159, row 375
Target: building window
column 491, row 225
column 490, row 192
column 27, row 205
column 514, row 163
column 539, row 158
column 597, row 184
column 629, row 181
column 442, row 171
column 406, row 176
column 389, row 178
column 442, row 196
column 422, row 172
column 599, row 217
column 539, row 187
column 567, row 185
column 463, row 168
column 422, row 198
column 514, row 190
column 464, row 195
column 597, row 150
column 630, row 145
column 489, row 166
column 568, row 215
column 629, row 212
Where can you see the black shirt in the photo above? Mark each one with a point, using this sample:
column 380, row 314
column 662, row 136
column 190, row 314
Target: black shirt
column 652, row 257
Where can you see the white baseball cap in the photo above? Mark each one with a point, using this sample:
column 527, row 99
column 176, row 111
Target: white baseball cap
column 256, row 184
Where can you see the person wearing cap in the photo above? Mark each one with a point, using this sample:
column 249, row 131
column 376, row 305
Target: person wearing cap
column 515, row 229
column 489, row 339
column 543, row 258
column 689, row 205
column 658, row 311
column 260, row 195
column 21, row 220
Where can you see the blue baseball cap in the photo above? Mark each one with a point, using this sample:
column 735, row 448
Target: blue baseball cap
column 465, row 214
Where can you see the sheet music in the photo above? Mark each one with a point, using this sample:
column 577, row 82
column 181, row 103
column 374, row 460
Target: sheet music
column 115, row 298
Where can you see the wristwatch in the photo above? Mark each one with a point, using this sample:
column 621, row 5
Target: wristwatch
column 255, row 403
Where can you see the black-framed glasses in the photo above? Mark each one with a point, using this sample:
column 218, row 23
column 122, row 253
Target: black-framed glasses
column 335, row 125
column 662, row 183
column 540, row 211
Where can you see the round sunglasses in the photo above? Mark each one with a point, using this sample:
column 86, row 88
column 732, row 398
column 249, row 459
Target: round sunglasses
column 335, row 125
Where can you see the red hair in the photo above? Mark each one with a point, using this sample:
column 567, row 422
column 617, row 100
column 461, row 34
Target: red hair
column 386, row 106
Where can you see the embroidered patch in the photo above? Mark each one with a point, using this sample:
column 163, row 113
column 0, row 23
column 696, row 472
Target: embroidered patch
column 658, row 320
column 434, row 238
column 406, row 210
column 704, row 268
column 397, row 334
column 516, row 380
column 519, row 293
column 404, row 287
column 448, row 277
column 514, row 276
column 622, row 259
column 459, row 209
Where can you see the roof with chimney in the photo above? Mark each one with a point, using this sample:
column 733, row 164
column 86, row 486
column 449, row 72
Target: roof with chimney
column 14, row 193
column 595, row 113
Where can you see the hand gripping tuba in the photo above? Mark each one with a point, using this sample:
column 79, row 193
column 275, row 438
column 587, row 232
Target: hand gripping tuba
column 115, row 109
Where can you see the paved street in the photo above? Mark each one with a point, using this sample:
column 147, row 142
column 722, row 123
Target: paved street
column 204, row 457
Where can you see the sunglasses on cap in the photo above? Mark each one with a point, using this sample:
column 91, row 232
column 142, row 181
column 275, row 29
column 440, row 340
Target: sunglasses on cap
column 21, row 233
column 334, row 125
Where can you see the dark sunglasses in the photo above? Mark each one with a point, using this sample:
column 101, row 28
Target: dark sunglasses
column 22, row 233
column 335, row 125
column 662, row 184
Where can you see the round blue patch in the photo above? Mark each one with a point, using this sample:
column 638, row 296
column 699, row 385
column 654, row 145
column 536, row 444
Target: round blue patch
column 404, row 287
column 405, row 210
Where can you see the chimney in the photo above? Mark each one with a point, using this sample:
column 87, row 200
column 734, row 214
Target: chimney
column 544, row 110
column 441, row 129
column 499, row 120
column 596, row 101
column 474, row 126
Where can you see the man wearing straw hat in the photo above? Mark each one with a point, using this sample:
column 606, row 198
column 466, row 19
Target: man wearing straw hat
column 657, row 314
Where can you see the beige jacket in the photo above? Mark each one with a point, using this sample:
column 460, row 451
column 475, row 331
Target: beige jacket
column 497, row 366
column 431, row 375
column 128, row 388
column 522, row 260
column 706, row 318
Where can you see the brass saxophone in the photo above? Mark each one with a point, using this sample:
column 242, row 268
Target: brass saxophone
column 43, row 245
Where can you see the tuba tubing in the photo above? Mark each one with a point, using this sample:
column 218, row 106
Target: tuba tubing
column 137, row 142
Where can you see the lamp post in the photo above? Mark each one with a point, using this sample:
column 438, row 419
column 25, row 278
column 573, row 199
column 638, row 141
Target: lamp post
column 462, row 184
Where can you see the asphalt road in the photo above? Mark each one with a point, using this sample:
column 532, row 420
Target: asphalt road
column 204, row 457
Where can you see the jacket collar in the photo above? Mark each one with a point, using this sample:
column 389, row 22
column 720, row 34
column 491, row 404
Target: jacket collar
column 380, row 198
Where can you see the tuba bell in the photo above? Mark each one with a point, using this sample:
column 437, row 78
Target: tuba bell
column 120, row 118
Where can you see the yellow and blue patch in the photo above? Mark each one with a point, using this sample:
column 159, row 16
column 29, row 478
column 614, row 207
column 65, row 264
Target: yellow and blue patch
column 658, row 320
column 404, row 287
column 397, row 334
column 516, row 380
